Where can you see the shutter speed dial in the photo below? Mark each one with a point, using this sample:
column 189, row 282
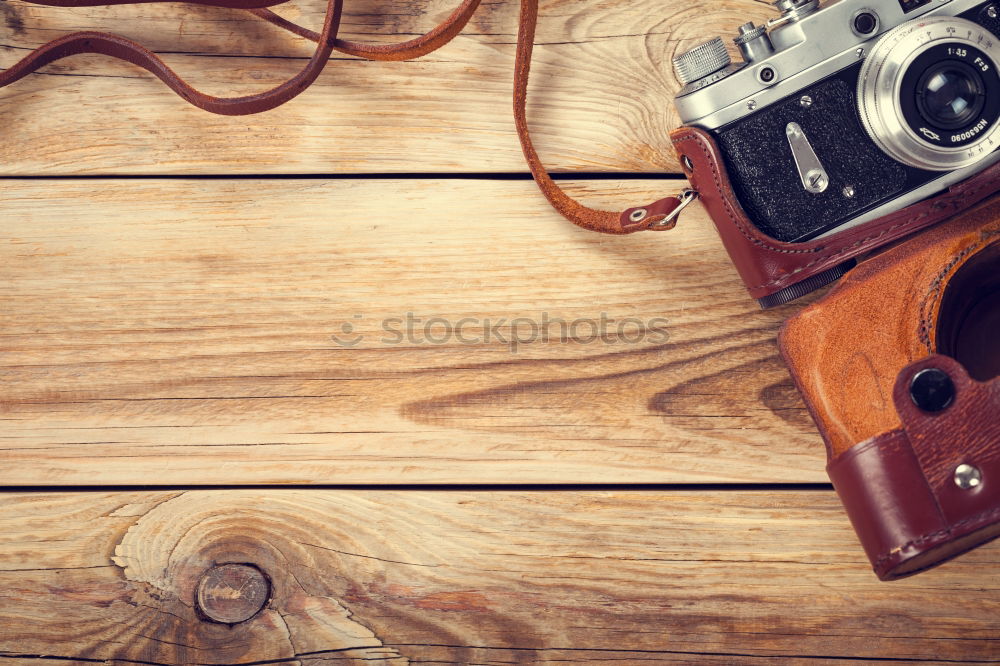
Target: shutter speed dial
column 701, row 61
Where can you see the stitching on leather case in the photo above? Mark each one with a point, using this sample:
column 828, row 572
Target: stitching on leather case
column 984, row 515
column 931, row 300
column 858, row 245
column 725, row 200
column 844, row 250
column 916, row 222
column 933, row 295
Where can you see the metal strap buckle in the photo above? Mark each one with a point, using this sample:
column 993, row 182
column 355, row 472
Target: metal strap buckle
column 686, row 197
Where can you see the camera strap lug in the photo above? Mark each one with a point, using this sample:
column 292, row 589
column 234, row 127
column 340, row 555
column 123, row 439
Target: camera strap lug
column 683, row 200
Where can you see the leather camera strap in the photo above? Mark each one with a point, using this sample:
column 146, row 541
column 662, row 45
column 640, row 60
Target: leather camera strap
column 414, row 48
column 125, row 49
column 657, row 216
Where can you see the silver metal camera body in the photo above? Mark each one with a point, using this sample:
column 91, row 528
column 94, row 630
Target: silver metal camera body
column 843, row 113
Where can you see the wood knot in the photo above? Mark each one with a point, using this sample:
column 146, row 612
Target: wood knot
column 232, row 593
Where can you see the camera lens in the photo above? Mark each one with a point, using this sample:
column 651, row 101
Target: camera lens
column 949, row 97
column 950, row 94
column 929, row 93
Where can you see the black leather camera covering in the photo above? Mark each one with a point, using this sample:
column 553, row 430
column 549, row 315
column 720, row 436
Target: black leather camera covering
column 766, row 180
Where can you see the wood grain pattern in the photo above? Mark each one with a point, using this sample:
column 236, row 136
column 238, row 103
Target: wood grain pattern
column 182, row 331
column 601, row 95
column 232, row 331
column 486, row 577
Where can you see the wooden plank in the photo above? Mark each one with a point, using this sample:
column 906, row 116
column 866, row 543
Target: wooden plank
column 601, row 98
column 182, row 332
column 476, row 577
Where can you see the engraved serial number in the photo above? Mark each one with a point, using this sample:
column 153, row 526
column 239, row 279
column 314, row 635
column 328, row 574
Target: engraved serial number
column 969, row 133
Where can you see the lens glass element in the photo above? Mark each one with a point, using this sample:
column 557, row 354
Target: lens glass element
column 949, row 94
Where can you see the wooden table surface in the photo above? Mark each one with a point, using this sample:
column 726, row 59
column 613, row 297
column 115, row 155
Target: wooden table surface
column 346, row 342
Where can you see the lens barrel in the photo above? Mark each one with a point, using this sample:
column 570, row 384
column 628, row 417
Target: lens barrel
column 929, row 93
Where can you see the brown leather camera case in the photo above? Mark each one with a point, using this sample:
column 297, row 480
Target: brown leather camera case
column 769, row 266
column 853, row 354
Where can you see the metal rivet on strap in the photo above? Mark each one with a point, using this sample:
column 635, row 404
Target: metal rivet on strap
column 967, row 476
column 637, row 215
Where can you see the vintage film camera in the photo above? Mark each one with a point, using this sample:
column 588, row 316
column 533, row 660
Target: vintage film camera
column 846, row 129
column 842, row 117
